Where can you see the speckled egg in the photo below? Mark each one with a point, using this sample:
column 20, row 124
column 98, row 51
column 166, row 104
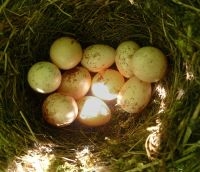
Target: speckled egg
column 75, row 82
column 124, row 54
column 59, row 110
column 98, row 57
column 134, row 95
column 44, row 77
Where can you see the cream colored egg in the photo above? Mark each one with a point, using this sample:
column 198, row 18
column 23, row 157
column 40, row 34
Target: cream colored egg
column 44, row 77
column 106, row 84
column 124, row 54
column 66, row 52
column 149, row 64
column 75, row 82
column 59, row 110
column 134, row 95
column 93, row 112
column 98, row 57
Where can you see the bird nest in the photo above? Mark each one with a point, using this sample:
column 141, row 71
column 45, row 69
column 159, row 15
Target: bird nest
column 165, row 136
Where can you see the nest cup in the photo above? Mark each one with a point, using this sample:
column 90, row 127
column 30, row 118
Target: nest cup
column 164, row 136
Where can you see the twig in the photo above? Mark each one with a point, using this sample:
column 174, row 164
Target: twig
column 186, row 158
column 5, row 49
column 145, row 166
column 62, row 11
column 196, row 112
column 186, row 5
column 193, row 118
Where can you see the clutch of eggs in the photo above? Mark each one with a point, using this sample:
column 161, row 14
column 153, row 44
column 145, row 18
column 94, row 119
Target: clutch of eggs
column 80, row 82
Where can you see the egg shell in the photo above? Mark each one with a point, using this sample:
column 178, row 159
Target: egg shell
column 93, row 112
column 75, row 82
column 98, row 57
column 149, row 64
column 106, row 84
column 66, row 52
column 59, row 110
column 44, row 77
column 124, row 54
column 134, row 95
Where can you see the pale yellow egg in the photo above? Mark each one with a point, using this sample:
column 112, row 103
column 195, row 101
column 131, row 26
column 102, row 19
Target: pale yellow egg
column 44, row 77
column 149, row 64
column 66, row 52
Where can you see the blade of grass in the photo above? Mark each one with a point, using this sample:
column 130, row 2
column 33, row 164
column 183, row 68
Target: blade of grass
column 28, row 126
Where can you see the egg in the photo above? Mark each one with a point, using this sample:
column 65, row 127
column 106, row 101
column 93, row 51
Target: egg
column 44, row 77
column 134, row 95
column 59, row 110
column 75, row 82
column 98, row 57
column 106, row 84
column 149, row 64
column 124, row 54
column 66, row 52
column 93, row 112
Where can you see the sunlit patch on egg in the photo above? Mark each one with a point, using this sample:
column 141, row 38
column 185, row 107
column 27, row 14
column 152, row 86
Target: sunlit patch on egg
column 93, row 111
column 106, row 84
